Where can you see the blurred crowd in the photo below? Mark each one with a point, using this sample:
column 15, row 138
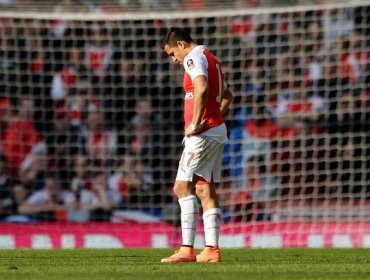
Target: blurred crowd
column 91, row 113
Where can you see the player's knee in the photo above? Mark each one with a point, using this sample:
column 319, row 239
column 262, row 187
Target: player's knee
column 202, row 191
column 176, row 189
column 181, row 189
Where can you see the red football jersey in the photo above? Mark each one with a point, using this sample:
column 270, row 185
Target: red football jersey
column 200, row 61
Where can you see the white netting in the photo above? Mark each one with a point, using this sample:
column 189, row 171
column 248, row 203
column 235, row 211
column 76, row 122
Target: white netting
column 122, row 6
column 88, row 100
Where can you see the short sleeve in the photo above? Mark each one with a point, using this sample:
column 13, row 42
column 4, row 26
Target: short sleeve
column 196, row 65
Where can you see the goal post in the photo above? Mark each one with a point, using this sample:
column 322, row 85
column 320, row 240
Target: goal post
column 91, row 123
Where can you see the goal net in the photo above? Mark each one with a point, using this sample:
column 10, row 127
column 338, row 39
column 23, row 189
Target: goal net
column 91, row 122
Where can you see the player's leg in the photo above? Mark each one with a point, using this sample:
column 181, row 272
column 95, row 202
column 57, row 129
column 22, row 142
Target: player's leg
column 212, row 221
column 206, row 191
column 184, row 189
column 189, row 212
column 189, row 219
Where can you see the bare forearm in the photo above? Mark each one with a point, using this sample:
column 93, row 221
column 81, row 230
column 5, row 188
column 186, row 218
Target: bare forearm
column 200, row 98
column 226, row 102
column 200, row 101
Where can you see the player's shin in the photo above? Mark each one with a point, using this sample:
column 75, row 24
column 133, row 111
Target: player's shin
column 189, row 219
column 212, row 221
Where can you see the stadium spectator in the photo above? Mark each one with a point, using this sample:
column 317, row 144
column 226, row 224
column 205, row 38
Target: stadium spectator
column 296, row 52
column 330, row 84
column 80, row 178
column 21, row 138
column 136, row 185
column 253, row 91
column 121, row 91
column 33, row 170
column 347, row 116
column 49, row 204
column 99, row 142
column 243, row 27
column 311, row 67
column 299, row 111
column 18, row 196
column 63, row 142
column 8, row 62
column 259, row 188
column 145, row 115
column 143, row 139
column 348, row 139
column 127, row 179
column 99, row 200
column 354, row 162
column 80, row 102
column 80, row 166
column 223, row 35
column 59, row 27
column 299, row 118
column 75, row 37
column 349, row 68
column 6, row 187
column 314, row 34
column 98, row 51
column 267, row 42
column 335, row 23
column 143, row 142
column 5, row 116
column 252, row 139
column 283, row 70
column 67, row 75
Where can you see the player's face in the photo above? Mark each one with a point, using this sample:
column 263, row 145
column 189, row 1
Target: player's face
column 177, row 52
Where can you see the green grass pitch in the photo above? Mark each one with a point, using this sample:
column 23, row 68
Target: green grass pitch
column 140, row 264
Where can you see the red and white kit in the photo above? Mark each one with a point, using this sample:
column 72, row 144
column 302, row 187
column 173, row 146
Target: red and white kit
column 203, row 151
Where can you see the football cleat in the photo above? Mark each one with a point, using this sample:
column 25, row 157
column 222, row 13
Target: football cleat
column 209, row 255
column 183, row 255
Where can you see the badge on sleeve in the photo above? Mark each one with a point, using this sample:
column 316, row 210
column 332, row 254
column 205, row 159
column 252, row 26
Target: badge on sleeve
column 190, row 64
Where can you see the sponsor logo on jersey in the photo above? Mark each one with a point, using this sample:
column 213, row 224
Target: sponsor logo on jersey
column 190, row 64
column 189, row 95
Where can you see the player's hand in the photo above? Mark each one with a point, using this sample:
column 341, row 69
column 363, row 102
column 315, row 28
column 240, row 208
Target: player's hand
column 193, row 129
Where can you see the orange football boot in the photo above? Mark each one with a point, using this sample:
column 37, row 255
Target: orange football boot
column 183, row 255
column 209, row 255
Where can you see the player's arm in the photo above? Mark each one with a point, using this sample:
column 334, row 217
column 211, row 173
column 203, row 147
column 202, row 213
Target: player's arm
column 200, row 84
column 226, row 101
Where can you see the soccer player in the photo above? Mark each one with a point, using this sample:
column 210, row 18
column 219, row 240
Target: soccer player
column 207, row 101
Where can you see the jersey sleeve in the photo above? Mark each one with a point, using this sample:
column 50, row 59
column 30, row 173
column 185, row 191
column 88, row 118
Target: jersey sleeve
column 196, row 65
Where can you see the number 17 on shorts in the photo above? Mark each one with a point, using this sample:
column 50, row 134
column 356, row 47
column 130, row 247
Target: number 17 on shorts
column 201, row 156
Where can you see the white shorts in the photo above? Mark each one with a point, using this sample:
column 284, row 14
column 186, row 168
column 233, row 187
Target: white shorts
column 201, row 156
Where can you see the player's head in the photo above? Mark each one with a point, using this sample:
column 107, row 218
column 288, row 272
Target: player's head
column 176, row 43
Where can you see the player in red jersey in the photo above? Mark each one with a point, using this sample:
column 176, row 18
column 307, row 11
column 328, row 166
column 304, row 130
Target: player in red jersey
column 207, row 100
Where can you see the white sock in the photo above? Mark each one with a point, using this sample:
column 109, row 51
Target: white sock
column 189, row 219
column 212, row 221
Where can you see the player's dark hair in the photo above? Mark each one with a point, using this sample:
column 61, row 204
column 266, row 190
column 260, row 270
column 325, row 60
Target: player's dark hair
column 176, row 34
